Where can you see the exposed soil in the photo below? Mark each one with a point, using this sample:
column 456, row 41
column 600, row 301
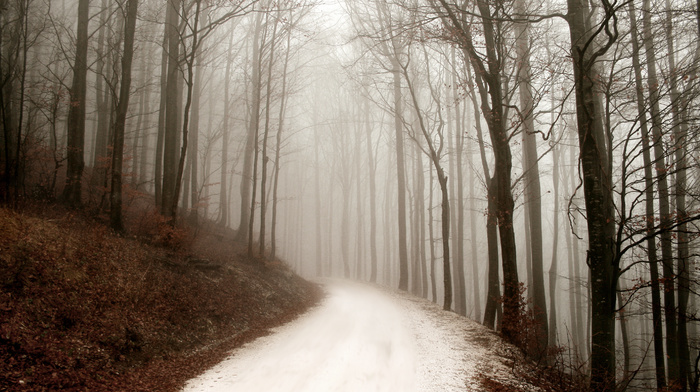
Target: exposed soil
column 84, row 309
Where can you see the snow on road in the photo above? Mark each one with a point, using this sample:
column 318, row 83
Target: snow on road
column 361, row 338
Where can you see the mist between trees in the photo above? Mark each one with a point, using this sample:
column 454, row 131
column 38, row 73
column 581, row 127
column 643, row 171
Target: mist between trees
column 533, row 166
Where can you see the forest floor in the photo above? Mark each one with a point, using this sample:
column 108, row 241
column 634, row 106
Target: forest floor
column 366, row 338
column 82, row 309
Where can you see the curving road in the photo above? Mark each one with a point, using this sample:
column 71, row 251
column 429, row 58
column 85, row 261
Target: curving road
column 365, row 339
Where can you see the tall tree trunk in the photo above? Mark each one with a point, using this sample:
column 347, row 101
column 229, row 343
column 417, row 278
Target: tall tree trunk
column 581, row 333
column 172, row 114
column 476, row 276
column 533, row 192
column 434, row 155
column 188, row 104
column 160, row 133
column 400, row 176
column 417, row 161
column 679, row 134
column 488, row 77
column 139, row 134
column 243, row 233
column 255, row 125
column 278, row 148
column 663, row 198
column 72, row 194
column 456, row 142
column 459, row 234
column 359, row 242
column 102, row 95
column 493, row 293
column 372, row 169
column 431, row 235
column 602, row 261
column 266, row 133
column 457, row 242
column 659, row 359
column 319, row 201
column 119, row 125
column 194, row 141
column 553, row 269
column 225, row 132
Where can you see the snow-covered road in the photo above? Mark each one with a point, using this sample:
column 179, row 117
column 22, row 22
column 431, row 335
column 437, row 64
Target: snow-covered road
column 362, row 338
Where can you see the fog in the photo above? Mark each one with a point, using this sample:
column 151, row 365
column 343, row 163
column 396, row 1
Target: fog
column 417, row 145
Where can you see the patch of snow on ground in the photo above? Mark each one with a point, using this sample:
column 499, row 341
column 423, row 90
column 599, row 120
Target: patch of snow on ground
column 362, row 338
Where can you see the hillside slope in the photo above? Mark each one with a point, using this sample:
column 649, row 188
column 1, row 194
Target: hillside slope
column 83, row 309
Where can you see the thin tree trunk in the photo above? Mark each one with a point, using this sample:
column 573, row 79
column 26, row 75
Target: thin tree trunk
column 476, row 277
column 533, row 192
column 553, row 269
column 319, row 204
column 417, row 161
column 160, row 137
column 188, row 104
column 659, row 360
column 278, row 149
column 139, row 135
column 625, row 344
column 458, row 286
column 431, row 235
column 434, row 154
column 172, row 114
column 680, row 132
column 663, row 199
column 119, row 125
column 359, row 242
column 266, row 133
column 400, row 177
column 194, row 141
column 371, row 167
column 225, row 131
column 488, row 78
column 459, row 234
column 244, row 233
column 102, row 125
column 255, row 126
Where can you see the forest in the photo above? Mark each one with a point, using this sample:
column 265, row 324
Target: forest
column 532, row 166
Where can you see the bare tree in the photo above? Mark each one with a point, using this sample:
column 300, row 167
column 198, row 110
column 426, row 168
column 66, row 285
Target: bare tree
column 120, row 117
column 76, row 114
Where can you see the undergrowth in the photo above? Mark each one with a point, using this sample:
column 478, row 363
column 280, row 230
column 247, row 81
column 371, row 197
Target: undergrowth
column 83, row 309
column 539, row 366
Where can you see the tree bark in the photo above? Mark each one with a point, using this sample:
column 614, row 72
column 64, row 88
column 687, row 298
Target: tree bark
column 254, row 130
column 120, row 118
column 488, row 78
column 400, row 177
column 679, row 134
column 172, row 114
column 602, row 261
column 189, row 60
column 102, row 96
column 372, row 169
column 533, row 192
column 243, row 233
column 266, row 133
column 663, row 198
column 659, row 359
column 72, row 193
